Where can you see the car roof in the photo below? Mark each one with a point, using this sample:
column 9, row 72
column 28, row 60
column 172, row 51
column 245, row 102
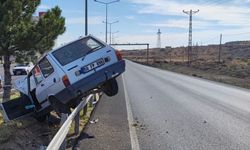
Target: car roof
column 51, row 51
column 78, row 40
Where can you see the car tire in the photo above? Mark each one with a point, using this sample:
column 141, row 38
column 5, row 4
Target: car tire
column 110, row 88
column 41, row 118
column 58, row 106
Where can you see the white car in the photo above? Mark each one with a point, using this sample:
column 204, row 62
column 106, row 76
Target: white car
column 22, row 69
column 64, row 75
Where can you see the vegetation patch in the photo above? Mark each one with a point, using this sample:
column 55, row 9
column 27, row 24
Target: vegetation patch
column 235, row 73
column 28, row 133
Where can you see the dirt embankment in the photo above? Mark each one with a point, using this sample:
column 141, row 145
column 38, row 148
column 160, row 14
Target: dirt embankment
column 234, row 66
column 235, row 72
column 25, row 134
column 28, row 133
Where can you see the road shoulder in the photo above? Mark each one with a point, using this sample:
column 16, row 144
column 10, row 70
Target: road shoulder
column 111, row 130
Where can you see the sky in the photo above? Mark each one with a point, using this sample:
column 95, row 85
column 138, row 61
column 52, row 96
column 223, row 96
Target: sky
column 139, row 20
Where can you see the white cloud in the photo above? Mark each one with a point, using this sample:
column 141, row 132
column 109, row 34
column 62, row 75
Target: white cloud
column 224, row 14
column 179, row 39
column 81, row 20
column 210, row 21
column 42, row 6
column 130, row 17
column 181, row 23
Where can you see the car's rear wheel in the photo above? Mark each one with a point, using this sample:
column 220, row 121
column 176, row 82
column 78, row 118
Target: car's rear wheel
column 110, row 88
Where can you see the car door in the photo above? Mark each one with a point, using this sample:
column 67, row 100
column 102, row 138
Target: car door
column 18, row 107
column 51, row 78
column 40, row 90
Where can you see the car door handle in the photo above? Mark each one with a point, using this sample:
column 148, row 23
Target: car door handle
column 42, row 84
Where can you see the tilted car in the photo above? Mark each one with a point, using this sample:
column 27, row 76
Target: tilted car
column 22, row 69
column 64, row 75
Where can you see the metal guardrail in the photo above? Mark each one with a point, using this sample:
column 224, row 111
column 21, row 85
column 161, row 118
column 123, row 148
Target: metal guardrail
column 58, row 142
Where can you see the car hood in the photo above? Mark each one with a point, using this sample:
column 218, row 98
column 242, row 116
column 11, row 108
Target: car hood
column 21, row 85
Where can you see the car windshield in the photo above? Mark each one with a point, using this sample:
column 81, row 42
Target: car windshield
column 76, row 50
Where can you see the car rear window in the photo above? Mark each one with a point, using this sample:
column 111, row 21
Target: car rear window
column 76, row 50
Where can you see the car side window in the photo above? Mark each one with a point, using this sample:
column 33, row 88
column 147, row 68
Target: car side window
column 46, row 67
column 92, row 44
column 37, row 75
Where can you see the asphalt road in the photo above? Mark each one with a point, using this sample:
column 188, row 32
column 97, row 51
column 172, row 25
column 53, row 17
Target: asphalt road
column 173, row 111
column 112, row 129
column 2, row 72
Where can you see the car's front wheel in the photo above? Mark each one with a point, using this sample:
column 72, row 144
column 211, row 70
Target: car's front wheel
column 58, row 106
column 110, row 88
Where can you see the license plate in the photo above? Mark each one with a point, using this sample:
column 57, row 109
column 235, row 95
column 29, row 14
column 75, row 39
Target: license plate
column 93, row 65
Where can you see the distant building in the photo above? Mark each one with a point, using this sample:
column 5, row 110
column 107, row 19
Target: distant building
column 41, row 14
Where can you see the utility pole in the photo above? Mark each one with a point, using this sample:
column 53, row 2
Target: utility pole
column 110, row 29
column 106, row 4
column 220, row 48
column 86, row 17
column 147, row 53
column 190, row 13
column 196, row 51
column 113, row 38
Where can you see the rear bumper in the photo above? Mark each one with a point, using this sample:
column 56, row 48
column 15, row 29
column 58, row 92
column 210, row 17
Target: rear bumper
column 68, row 95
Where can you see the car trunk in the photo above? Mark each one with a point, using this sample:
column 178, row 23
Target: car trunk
column 86, row 66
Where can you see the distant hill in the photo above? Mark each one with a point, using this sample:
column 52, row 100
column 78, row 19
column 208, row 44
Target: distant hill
column 230, row 50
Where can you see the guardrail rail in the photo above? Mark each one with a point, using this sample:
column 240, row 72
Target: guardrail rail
column 59, row 140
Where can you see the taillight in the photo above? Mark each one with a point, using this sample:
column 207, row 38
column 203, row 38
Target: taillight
column 118, row 55
column 65, row 80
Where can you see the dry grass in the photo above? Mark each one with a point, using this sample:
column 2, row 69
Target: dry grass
column 235, row 73
column 14, row 94
column 83, row 119
column 30, row 134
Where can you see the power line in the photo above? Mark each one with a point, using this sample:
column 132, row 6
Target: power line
column 211, row 39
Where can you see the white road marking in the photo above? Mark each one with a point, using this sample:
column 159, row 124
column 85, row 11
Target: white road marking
column 132, row 129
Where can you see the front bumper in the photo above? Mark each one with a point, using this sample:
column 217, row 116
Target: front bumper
column 70, row 93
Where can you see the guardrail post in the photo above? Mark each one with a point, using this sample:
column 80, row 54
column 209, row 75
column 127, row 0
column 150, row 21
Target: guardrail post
column 77, row 123
column 91, row 101
column 63, row 119
column 85, row 109
column 59, row 140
